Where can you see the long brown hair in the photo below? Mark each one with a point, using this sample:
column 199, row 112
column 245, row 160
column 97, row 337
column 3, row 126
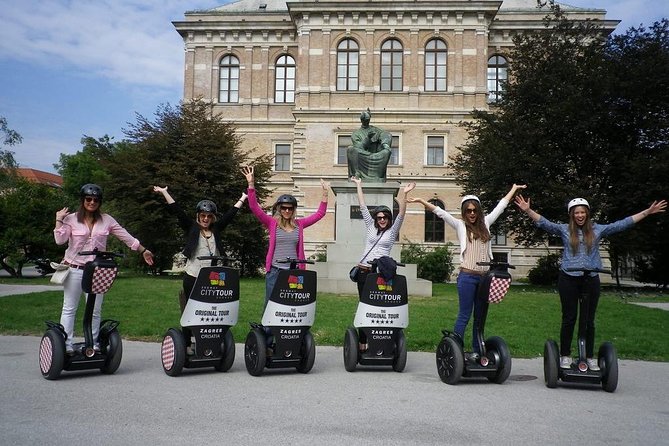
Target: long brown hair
column 285, row 223
column 588, row 234
column 81, row 212
column 478, row 229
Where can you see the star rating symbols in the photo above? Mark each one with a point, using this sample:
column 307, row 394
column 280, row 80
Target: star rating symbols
column 381, row 321
column 291, row 321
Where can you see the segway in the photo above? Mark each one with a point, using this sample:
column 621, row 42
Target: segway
column 494, row 360
column 211, row 310
column 283, row 340
column 381, row 317
column 98, row 277
column 579, row 371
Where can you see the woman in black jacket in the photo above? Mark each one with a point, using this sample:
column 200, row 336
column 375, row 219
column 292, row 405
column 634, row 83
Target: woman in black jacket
column 203, row 238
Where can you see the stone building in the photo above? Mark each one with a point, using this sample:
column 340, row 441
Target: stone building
column 294, row 76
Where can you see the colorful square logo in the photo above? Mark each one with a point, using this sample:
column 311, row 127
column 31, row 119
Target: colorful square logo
column 217, row 279
column 382, row 285
column 295, row 282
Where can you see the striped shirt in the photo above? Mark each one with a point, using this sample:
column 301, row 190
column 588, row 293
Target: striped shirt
column 286, row 246
column 386, row 242
column 476, row 251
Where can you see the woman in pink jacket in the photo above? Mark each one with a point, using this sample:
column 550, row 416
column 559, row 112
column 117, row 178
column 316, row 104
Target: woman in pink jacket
column 286, row 232
column 86, row 230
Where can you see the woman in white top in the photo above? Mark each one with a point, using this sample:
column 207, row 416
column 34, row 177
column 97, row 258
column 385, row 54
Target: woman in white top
column 473, row 231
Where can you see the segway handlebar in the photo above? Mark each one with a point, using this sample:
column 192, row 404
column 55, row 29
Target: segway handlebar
column 102, row 254
column 293, row 262
column 496, row 263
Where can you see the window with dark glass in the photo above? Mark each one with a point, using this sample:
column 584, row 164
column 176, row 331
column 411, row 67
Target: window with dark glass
column 347, row 65
column 343, row 143
column 282, row 157
column 284, row 88
column 497, row 75
column 228, row 79
column 391, row 65
column 434, row 226
column 395, row 151
column 435, row 65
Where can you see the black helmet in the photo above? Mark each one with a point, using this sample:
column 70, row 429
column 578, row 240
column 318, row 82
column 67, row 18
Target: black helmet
column 90, row 190
column 284, row 199
column 206, row 206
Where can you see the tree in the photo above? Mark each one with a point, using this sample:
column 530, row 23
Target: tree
column 85, row 166
column 27, row 213
column 7, row 162
column 196, row 154
column 564, row 127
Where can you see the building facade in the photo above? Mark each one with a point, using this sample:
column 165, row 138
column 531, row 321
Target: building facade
column 294, row 76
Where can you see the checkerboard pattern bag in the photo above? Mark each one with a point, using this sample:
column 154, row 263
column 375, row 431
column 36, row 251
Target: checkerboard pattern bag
column 498, row 288
column 103, row 279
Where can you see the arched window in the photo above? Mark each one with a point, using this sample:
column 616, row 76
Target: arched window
column 434, row 226
column 435, row 65
column 347, row 65
column 228, row 89
column 391, row 65
column 497, row 75
column 284, row 87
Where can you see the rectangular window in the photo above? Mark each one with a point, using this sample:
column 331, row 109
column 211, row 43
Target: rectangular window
column 343, row 143
column 498, row 238
column 395, row 151
column 282, row 157
column 435, row 151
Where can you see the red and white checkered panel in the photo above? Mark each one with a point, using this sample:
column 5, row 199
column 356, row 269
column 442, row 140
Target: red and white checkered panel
column 103, row 279
column 498, row 288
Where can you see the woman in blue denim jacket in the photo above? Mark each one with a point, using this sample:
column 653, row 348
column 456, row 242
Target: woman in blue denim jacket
column 581, row 238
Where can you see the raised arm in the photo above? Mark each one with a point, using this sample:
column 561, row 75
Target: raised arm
column 512, row 192
column 326, row 190
column 361, row 195
column 655, row 208
column 163, row 190
column 241, row 200
column 524, row 206
column 249, row 175
column 403, row 201
column 429, row 206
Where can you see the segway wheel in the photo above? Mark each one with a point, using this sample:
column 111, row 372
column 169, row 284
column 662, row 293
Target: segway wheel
column 351, row 349
column 173, row 352
column 51, row 354
column 400, row 358
column 114, row 353
column 228, row 353
column 497, row 344
column 551, row 364
column 255, row 354
column 308, row 352
column 608, row 358
column 450, row 360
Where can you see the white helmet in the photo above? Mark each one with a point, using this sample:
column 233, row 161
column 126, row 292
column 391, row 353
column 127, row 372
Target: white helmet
column 469, row 197
column 578, row 202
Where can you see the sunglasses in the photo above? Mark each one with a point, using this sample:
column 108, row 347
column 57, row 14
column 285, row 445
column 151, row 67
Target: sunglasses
column 287, row 208
column 381, row 217
column 207, row 216
column 470, row 211
column 92, row 199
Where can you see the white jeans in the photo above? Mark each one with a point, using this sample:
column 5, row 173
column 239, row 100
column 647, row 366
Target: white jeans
column 72, row 296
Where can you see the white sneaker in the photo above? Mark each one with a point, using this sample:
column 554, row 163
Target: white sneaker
column 69, row 350
column 592, row 364
column 565, row 362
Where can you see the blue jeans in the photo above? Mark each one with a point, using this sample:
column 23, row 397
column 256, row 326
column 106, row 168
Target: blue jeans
column 270, row 281
column 467, row 288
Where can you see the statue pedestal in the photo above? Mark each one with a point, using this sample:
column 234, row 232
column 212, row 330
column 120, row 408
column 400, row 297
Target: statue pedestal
column 349, row 245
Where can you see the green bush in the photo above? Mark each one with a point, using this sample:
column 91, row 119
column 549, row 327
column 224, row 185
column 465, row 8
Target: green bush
column 435, row 264
column 546, row 271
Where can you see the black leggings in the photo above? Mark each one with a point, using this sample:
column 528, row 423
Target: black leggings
column 571, row 288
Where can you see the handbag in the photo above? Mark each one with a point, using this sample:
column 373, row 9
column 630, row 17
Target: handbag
column 60, row 273
column 355, row 271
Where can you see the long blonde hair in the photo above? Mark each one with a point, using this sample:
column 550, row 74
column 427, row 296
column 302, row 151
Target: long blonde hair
column 477, row 230
column 588, row 233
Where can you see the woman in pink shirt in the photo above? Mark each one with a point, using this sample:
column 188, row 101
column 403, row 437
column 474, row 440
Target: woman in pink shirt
column 286, row 232
column 86, row 230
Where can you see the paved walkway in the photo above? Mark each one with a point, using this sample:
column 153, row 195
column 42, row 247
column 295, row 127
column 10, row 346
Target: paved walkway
column 10, row 290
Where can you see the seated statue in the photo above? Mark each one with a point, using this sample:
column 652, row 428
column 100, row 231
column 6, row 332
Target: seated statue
column 369, row 152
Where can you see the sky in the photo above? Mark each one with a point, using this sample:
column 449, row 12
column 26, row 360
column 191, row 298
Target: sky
column 70, row 68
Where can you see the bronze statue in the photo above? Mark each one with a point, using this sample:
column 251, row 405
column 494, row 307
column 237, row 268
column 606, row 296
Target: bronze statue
column 369, row 152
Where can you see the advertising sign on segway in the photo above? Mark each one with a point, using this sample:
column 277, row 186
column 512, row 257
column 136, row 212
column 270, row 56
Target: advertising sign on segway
column 212, row 308
column 284, row 339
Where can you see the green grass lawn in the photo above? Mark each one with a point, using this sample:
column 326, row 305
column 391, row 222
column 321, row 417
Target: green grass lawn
column 148, row 306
